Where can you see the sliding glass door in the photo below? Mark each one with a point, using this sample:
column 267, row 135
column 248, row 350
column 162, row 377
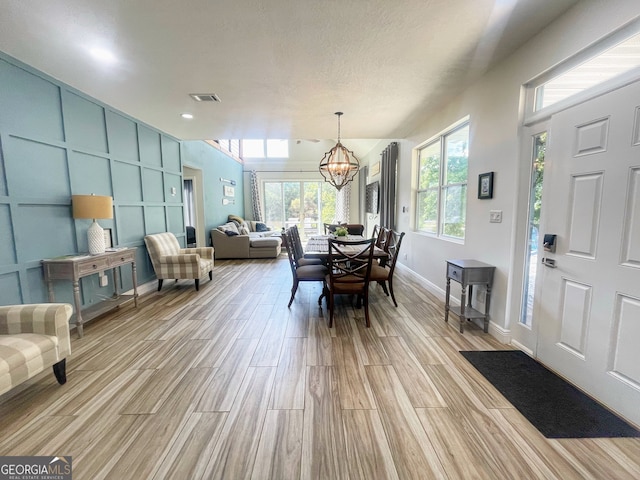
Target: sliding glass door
column 306, row 204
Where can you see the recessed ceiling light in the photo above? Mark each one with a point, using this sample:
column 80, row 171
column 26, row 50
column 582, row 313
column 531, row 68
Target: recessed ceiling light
column 103, row 55
column 188, row 116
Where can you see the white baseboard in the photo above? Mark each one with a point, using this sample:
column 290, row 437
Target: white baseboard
column 520, row 346
column 501, row 334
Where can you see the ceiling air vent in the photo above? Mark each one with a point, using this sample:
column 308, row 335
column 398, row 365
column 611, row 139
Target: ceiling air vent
column 205, row 97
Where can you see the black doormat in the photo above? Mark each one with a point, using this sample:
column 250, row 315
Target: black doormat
column 556, row 408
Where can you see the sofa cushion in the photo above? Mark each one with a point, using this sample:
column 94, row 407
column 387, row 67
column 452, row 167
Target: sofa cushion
column 235, row 218
column 265, row 242
column 229, row 226
column 230, row 233
column 261, row 227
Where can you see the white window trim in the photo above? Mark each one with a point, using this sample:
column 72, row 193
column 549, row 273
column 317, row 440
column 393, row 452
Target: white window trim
column 531, row 116
column 439, row 136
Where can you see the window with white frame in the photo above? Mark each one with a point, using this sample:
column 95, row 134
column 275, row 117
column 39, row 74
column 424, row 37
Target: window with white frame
column 261, row 148
column 601, row 67
column 441, row 197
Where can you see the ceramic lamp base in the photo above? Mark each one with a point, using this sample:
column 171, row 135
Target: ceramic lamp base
column 95, row 235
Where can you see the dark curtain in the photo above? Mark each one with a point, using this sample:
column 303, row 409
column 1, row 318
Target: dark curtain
column 388, row 186
column 362, row 189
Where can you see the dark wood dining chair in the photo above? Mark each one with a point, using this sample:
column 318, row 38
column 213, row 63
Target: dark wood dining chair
column 349, row 272
column 383, row 274
column 354, row 228
column 298, row 250
column 382, row 238
column 302, row 273
column 330, row 228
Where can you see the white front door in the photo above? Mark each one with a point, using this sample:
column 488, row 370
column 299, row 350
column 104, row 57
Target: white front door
column 589, row 308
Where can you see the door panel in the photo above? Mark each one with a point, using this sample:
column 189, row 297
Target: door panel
column 589, row 305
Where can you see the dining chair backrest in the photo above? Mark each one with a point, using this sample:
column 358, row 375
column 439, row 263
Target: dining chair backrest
column 393, row 248
column 297, row 243
column 287, row 244
column 350, row 262
column 376, row 232
column 355, row 228
column 330, row 228
column 382, row 240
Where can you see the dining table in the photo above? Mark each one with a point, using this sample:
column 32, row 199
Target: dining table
column 318, row 247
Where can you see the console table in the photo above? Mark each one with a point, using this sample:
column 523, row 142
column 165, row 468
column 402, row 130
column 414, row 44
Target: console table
column 469, row 273
column 75, row 267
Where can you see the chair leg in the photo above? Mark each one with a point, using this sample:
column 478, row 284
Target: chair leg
column 197, row 285
column 323, row 294
column 159, row 284
column 60, row 371
column 210, row 274
column 366, row 309
column 393, row 297
column 384, row 287
column 294, row 289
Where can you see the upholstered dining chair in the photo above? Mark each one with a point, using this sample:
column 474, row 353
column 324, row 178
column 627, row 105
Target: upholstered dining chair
column 349, row 272
column 171, row 261
column 382, row 238
column 302, row 273
column 383, row 274
column 298, row 250
column 354, row 228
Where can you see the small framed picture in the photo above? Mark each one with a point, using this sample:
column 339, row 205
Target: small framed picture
column 375, row 169
column 485, row 185
column 229, row 191
column 108, row 238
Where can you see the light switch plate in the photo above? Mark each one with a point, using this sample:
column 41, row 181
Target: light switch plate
column 495, row 216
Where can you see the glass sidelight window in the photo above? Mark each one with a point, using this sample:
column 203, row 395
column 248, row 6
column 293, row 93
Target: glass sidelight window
column 535, row 204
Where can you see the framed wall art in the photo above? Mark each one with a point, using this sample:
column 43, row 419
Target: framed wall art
column 485, row 186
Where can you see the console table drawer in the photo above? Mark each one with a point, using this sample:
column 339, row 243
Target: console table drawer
column 455, row 272
column 93, row 265
column 121, row 258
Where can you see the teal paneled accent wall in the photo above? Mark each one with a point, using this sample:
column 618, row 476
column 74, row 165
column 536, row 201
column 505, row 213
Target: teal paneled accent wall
column 56, row 142
column 215, row 165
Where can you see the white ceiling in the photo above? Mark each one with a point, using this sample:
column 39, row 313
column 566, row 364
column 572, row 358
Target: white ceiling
column 281, row 67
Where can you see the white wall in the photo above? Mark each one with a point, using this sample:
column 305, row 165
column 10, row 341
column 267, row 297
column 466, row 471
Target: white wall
column 494, row 107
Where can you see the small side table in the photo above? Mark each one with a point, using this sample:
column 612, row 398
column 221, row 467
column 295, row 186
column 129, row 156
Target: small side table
column 469, row 273
column 74, row 267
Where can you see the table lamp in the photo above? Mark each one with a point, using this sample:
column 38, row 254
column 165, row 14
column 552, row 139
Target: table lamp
column 94, row 207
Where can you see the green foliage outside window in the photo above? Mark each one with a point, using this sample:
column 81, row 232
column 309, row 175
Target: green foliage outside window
column 442, row 184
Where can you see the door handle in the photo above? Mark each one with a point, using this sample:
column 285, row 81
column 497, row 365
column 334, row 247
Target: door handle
column 549, row 262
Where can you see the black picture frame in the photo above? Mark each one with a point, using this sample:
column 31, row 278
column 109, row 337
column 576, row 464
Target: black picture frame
column 485, row 186
column 108, row 238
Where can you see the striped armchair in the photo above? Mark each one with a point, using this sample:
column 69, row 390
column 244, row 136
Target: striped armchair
column 32, row 338
column 171, row 261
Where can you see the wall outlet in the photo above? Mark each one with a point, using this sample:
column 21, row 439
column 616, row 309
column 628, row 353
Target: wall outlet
column 104, row 280
column 495, row 216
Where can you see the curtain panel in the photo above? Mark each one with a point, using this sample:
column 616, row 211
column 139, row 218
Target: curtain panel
column 388, row 172
column 255, row 197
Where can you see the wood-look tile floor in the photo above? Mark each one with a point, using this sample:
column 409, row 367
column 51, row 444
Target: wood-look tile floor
column 229, row 383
